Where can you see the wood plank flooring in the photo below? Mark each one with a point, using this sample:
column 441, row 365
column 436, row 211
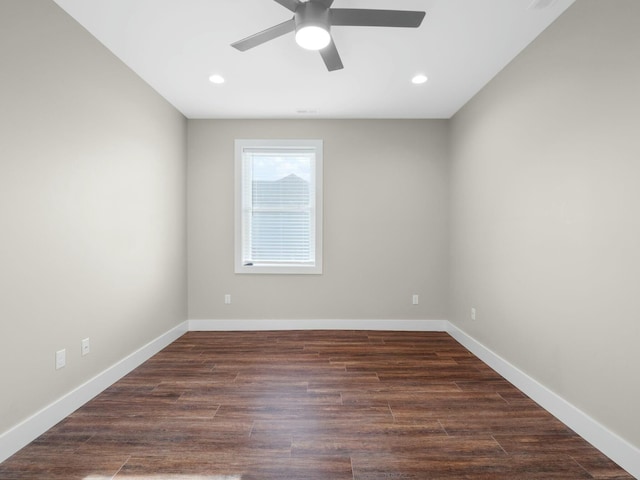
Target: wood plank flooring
column 326, row 405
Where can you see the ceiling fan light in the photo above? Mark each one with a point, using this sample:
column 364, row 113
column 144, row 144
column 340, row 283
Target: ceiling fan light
column 313, row 37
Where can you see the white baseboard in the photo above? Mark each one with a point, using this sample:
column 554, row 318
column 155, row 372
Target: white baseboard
column 313, row 324
column 614, row 447
column 25, row 432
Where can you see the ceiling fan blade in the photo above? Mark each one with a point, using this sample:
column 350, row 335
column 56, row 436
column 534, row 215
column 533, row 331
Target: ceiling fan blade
column 331, row 57
column 355, row 17
column 290, row 4
column 264, row 36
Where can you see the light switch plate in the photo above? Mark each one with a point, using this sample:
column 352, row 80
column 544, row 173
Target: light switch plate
column 86, row 347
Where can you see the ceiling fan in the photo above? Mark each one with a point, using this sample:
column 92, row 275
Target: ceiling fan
column 312, row 22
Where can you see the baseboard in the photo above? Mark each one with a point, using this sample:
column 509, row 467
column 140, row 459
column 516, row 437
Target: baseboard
column 616, row 448
column 314, row 324
column 24, row 433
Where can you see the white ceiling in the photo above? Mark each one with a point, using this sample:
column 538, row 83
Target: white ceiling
column 175, row 45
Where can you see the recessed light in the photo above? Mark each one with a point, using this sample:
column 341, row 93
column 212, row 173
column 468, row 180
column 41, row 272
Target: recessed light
column 217, row 79
column 419, row 79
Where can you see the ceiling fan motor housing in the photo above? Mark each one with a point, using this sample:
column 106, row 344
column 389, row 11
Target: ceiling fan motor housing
column 312, row 14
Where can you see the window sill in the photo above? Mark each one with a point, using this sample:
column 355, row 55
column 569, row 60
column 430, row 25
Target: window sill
column 279, row 269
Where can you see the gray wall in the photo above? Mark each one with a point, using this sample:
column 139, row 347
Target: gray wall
column 545, row 182
column 92, row 208
column 385, row 223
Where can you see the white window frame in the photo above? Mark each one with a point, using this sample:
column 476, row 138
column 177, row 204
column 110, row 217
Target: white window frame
column 285, row 268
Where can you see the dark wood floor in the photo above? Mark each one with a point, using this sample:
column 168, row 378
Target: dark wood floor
column 311, row 405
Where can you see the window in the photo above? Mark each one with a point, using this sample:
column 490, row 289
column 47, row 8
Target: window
column 278, row 206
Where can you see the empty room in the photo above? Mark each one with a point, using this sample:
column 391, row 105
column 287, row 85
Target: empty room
column 350, row 239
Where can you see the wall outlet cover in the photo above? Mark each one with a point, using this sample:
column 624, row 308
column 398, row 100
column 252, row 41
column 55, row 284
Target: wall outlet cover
column 61, row 358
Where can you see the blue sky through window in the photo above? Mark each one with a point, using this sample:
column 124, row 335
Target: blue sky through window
column 275, row 167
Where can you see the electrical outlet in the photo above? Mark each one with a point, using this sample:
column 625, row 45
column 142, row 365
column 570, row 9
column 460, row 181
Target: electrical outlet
column 86, row 348
column 61, row 358
column 227, row 299
column 473, row 313
column 416, row 299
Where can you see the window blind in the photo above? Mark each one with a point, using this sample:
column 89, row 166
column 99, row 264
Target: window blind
column 278, row 206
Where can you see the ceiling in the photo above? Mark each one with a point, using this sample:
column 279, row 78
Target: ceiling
column 176, row 45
